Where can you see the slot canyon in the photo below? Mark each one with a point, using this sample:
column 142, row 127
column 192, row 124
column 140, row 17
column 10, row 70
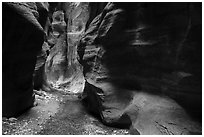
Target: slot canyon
column 101, row 68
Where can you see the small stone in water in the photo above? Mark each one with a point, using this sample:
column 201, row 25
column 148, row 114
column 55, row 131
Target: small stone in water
column 12, row 119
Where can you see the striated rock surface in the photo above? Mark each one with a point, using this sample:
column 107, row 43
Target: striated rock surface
column 56, row 63
column 62, row 70
column 38, row 75
column 22, row 29
column 139, row 68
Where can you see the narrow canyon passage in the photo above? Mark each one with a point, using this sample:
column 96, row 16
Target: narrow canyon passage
column 102, row 68
column 58, row 114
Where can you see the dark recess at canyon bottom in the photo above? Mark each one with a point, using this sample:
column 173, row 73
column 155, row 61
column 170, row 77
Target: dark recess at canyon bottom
column 102, row 68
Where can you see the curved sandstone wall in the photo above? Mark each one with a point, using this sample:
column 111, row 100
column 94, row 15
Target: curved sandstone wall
column 142, row 65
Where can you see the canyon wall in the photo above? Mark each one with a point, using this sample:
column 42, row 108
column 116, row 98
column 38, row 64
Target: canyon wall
column 135, row 56
column 62, row 70
column 22, row 37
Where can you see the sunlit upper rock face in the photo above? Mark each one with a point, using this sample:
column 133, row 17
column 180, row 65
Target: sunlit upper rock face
column 62, row 66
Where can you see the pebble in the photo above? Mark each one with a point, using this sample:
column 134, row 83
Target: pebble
column 12, row 119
